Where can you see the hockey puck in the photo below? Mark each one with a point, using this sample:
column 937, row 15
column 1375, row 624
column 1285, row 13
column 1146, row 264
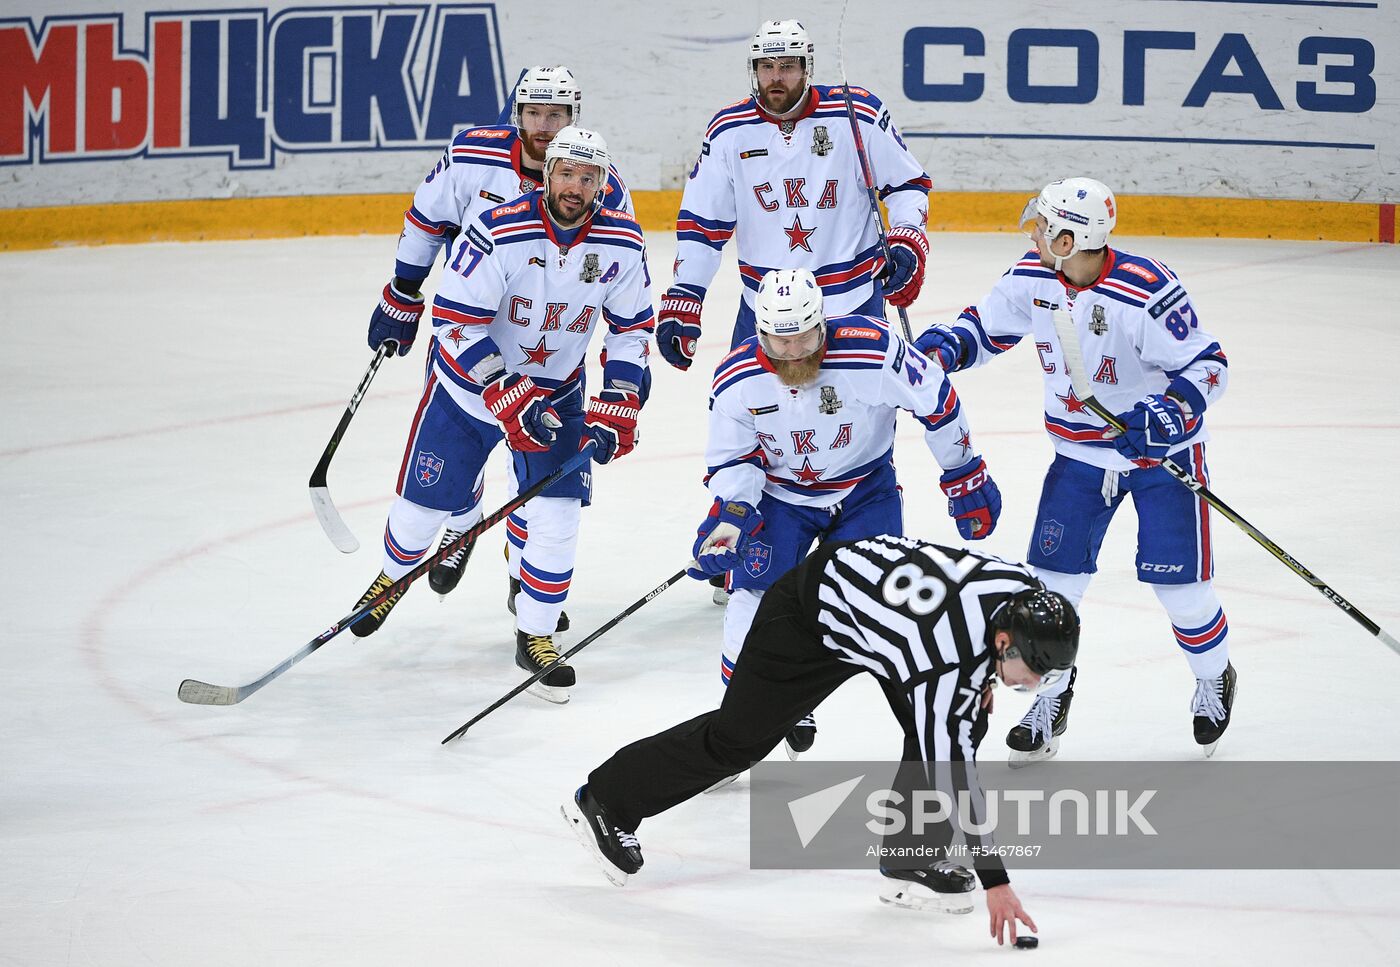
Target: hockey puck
column 1027, row 943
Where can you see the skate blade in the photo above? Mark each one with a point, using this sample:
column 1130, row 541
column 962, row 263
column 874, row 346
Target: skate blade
column 912, row 896
column 727, row 780
column 793, row 753
column 575, row 818
column 1209, row 749
column 1019, row 760
column 553, row 694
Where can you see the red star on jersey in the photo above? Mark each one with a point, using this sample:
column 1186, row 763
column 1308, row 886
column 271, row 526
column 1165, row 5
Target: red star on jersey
column 456, row 335
column 540, row 354
column 806, row 475
column 1212, row 380
column 965, row 441
column 797, row 235
column 1072, row 402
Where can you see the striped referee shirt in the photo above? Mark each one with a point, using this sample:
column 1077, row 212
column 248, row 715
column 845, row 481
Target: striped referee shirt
column 916, row 613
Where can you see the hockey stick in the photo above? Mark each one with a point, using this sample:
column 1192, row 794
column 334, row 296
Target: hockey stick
column 326, row 513
column 634, row 606
column 865, row 168
column 202, row 693
column 1074, row 364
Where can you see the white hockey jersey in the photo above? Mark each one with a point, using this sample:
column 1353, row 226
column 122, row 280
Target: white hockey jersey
column 794, row 194
column 1139, row 333
column 511, row 290
column 812, row 445
column 481, row 169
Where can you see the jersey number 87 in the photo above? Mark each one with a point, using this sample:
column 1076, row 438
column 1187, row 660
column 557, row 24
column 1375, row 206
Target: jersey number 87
column 1180, row 322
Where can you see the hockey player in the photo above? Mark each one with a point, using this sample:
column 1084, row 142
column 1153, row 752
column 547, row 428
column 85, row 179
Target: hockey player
column 481, row 169
column 802, row 422
column 527, row 285
column 1152, row 362
column 934, row 625
column 780, row 170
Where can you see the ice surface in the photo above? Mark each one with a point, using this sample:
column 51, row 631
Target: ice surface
column 163, row 406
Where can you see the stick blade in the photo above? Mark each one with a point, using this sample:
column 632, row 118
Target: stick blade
column 331, row 521
column 202, row 693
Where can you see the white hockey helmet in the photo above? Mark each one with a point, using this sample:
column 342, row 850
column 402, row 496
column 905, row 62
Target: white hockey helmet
column 581, row 146
column 548, row 85
column 789, row 303
column 782, row 38
column 1081, row 206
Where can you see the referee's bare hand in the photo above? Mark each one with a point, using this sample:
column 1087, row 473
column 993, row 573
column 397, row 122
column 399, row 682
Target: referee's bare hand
column 1004, row 908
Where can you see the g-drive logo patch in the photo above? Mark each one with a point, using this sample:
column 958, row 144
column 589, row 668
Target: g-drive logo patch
column 246, row 83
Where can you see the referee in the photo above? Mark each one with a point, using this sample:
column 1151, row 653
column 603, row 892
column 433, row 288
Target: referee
column 935, row 625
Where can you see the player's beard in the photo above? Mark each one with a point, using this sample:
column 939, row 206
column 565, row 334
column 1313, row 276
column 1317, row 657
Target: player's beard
column 799, row 372
column 561, row 214
column 528, row 147
column 779, row 100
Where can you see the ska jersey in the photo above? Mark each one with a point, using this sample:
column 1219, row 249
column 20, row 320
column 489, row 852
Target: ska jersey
column 811, row 445
column 910, row 611
column 511, row 290
column 796, row 197
column 1139, row 333
column 480, row 170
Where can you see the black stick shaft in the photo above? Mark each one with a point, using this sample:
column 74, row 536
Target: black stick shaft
column 318, row 476
column 634, row 606
column 1074, row 363
column 201, row 693
column 869, row 174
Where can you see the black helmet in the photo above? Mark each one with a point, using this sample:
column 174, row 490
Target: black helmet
column 1044, row 629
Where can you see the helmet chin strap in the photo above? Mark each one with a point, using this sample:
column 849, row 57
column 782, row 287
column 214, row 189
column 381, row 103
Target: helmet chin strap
column 1061, row 259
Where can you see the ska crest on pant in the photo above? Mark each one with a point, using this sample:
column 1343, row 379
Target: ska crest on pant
column 1051, row 533
column 428, row 468
column 757, row 558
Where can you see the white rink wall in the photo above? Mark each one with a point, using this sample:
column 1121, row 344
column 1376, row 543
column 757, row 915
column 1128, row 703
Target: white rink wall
column 132, row 101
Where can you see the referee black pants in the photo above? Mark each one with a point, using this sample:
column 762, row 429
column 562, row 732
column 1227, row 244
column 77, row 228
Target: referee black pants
column 783, row 672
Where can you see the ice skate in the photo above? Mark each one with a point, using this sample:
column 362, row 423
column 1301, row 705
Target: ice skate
column 370, row 623
column 800, row 739
column 1037, row 737
column 944, row 887
column 443, row 576
column 616, row 850
column 1210, row 707
column 533, row 652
